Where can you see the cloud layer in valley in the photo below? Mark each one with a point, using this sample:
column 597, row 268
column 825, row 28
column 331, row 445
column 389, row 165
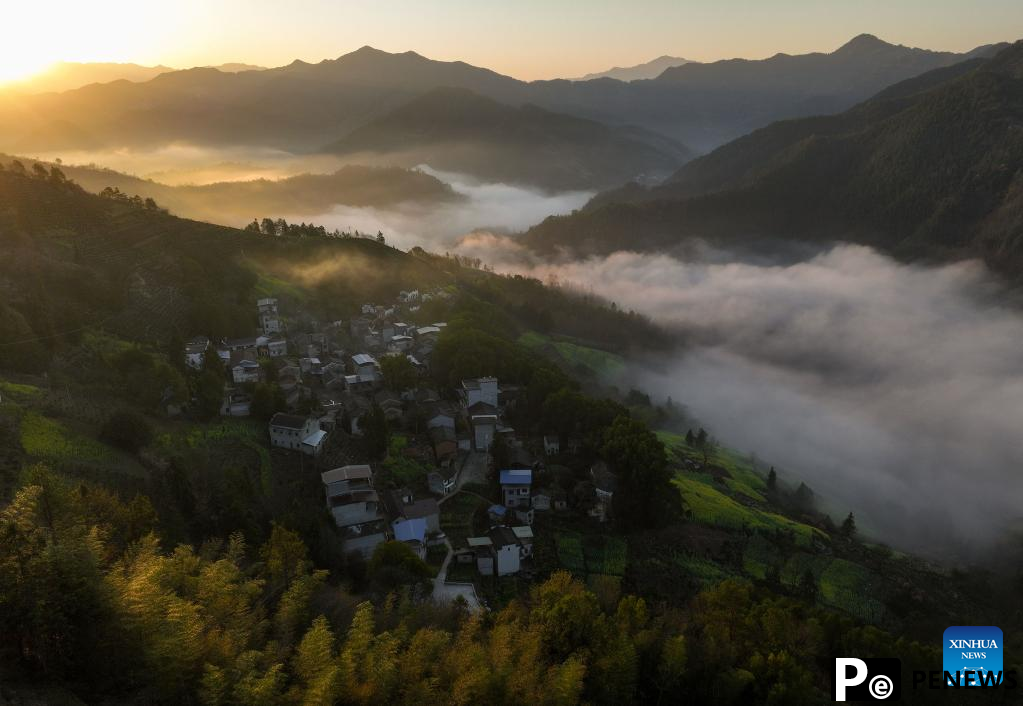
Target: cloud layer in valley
column 896, row 391
column 498, row 207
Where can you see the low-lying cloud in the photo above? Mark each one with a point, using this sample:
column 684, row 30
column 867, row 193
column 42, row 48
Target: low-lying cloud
column 497, row 207
column 895, row 391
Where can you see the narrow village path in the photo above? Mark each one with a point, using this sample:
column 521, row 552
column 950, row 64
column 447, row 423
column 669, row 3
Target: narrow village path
column 474, row 470
column 444, row 592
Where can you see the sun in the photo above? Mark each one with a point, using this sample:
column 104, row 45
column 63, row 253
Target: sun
column 20, row 68
column 39, row 34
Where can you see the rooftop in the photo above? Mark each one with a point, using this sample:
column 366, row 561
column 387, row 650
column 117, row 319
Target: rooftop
column 410, row 530
column 502, row 536
column 315, row 438
column 287, row 421
column 517, row 476
column 356, row 472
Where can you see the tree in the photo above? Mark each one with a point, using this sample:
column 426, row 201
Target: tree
column 267, row 400
column 128, row 430
column 399, row 373
column 803, row 498
column 395, row 564
column 644, row 496
column 848, row 526
column 772, row 479
column 39, row 171
column 808, row 586
column 209, row 394
column 690, row 439
column 701, row 438
column 375, row 430
column 285, row 556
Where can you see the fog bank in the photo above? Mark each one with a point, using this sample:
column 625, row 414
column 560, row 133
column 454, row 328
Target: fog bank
column 894, row 390
column 495, row 207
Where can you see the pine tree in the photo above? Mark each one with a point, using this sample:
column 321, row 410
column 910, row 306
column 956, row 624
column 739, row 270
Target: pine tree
column 849, row 526
column 772, row 479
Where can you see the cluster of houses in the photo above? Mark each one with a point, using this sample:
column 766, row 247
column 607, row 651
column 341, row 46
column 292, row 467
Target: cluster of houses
column 367, row 516
column 335, row 370
column 330, row 367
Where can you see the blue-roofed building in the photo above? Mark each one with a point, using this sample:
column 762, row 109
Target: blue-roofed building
column 515, row 487
column 413, row 533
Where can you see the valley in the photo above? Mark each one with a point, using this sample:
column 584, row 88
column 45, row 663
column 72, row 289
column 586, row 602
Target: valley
column 394, row 379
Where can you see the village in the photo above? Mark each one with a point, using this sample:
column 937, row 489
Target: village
column 457, row 453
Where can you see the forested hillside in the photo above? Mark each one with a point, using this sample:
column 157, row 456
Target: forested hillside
column 461, row 131
column 154, row 550
column 927, row 169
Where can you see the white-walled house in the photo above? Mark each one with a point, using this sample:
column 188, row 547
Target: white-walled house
column 483, row 390
column 501, row 550
column 290, row 431
column 365, row 367
column 355, row 507
column 245, row 366
column 551, row 444
column 269, row 320
column 516, row 485
column 277, row 346
column 195, row 352
column 484, row 427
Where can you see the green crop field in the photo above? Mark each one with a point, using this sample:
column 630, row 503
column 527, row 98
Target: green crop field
column 570, row 553
column 456, row 516
column 17, row 392
column 48, row 439
column 711, row 506
column 600, row 362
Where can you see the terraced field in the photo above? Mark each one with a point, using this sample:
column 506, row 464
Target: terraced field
column 48, row 439
column 456, row 517
column 710, row 506
column 576, row 355
column 591, row 555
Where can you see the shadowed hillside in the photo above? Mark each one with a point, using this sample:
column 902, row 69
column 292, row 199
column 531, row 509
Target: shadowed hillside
column 927, row 169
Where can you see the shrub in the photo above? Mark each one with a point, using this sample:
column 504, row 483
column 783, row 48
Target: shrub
column 128, row 430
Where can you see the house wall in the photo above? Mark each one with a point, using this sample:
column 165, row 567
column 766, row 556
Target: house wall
column 483, row 436
column 508, row 560
column 285, row 438
column 516, row 495
column 364, row 545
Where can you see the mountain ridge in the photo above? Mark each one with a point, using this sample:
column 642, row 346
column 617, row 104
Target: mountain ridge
column 921, row 171
column 455, row 129
column 303, row 106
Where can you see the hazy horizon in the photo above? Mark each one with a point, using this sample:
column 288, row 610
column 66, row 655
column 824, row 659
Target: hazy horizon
column 526, row 40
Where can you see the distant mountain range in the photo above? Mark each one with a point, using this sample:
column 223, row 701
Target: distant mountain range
column 68, row 75
column 454, row 129
column 302, row 107
column 650, row 69
column 234, row 203
column 929, row 168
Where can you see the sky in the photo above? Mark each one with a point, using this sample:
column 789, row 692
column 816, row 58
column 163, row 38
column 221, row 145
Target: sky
column 528, row 39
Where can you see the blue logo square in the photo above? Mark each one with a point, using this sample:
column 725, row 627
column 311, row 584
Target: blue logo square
column 973, row 649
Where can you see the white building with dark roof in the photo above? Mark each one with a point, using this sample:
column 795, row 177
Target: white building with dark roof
column 296, row 433
column 483, row 390
column 355, row 507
